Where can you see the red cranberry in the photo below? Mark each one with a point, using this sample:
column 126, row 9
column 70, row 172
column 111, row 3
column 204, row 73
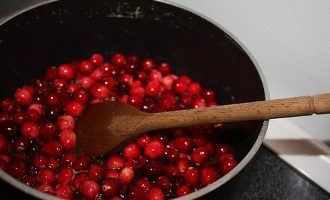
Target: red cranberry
column 64, row 191
column 16, row 167
column 164, row 68
column 168, row 81
column 72, row 87
column 4, row 117
column 96, row 173
column 48, row 130
column 155, row 193
column 52, row 99
column 51, row 73
column 199, row 103
column 141, row 75
column 143, row 140
column 81, row 95
column 110, row 188
column 78, row 179
column 30, row 130
column 143, row 183
column 23, row 96
column 53, row 112
column 68, row 158
column 200, row 155
column 111, row 174
column 8, row 105
column 194, row 88
column 167, row 101
column 123, row 88
column 118, row 59
column 115, row 162
column 59, row 83
column 180, row 86
column 30, row 180
column 3, row 143
column 85, row 81
column 83, row 162
column 208, row 174
column 100, row 91
column 74, row 108
column 46, row 176
column 132, row 164
column 148, row 64
column 153, row 169
column 66, row 122
column 173, row 172
column 208, row 94
column 227, row 165
column 154, row 149
column 126, row 175
column 134, row 192
column 68, row 139
column 223, row 148
column 131, row 151
column 152, row 88
column 183, row 190
column 86, row 67
column 9, row 129
column 172, row 156
column 164, row 183
column 66, row 71
column 53, row 164
column 155, row 75
column 40, row 161
column 226, row 155
column 89, row 189
column 97, row 59
column 53, row 148
column 65, row 175
column 135, row 101
column 184, row 144
column 32, row 115
column 183, row 165
column 19, row 117
column 191, row 176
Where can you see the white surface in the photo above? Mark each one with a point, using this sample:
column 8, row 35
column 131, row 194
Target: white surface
column 289, row 39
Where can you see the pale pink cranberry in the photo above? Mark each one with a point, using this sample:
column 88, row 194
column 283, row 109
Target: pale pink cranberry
column 66, row 122
column 164, row 68
column 89, row 189
column 154, row 149
column 97, row 59
column 184, row 144
column 118, row 59
column 68, row 139
column 86, row 67
column 191, row 176
column 208, row 175
column 17, row 168
column 78, row 179
column 152, row 88
column 115, row 162
column 96, row 173
column 74, row 108
column 23, row 96
column 85, row 81
column 227, row 165
column 64, row 191
column 53, row 148
column 200, row 155
column 148, row 64
column 30, row 130
column 126, row 175
column 155, row 193
column 183, row 190
column 131, row 151
column 65, row 175
column 110, row 188
column 66, row 71
column 46, row 176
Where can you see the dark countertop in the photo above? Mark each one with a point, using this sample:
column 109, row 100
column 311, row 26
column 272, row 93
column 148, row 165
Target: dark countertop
column 265, row 177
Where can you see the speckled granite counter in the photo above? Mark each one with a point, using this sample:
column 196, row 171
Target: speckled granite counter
column 265, row 177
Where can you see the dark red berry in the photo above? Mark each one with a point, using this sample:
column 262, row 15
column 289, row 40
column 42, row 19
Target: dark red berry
column 227, row 165
column 17, row 168
column 110, row 188
column 89, row 189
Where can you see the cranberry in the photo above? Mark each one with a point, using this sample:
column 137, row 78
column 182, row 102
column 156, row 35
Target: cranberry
column 172, row 156
column 53, row 112
column 97, row 59
column 8, row 105
column 135, row 101
column 118, row 59
column 167, row 101
column 53, row 164
column 227, row 165
column 68, row 139
column 66, row 71
column 148, row 64
column 47, row 130
column 164, row 68
column 208, row 174
column 78, row 179
column 208, row 94
column 32, row 115
column 86, row 67
column 46, row 176
column 23, row 96
column 200, row 155
column 53, row 148
column 223, row 148
column 74, row 108
column 180, row 86
column 152, row 88
column 85, row 81
column 154, row 149
column 123, row 88
column 173, row 172
column 68, row 158
column 3, row 143
column 131, row 151
column 51, row 73
column 183, row 165
column 115, row 162
column 4, row 117
column 65, row 175
column 96, row 173
column 81, row 96
column 184, row 144
column 134, row 192
column 168, row 81
column 126, row 175
column 52, row 99
column 83, row 162
column 30, row 181
column 111, row 174
column 226, row 155
column 143, row 140
column 40, row 161
column 30, row 130
column 164, row 183
column 89, row 189
column 153, row 169
column 64, row 191
column 194, row 88
column 100, row 91
column 155, row 193
column 143, row 183
column 9, row 129
column 191, row 176
column 132, row 164
column 19, row 117
column 16, row 167
column 66, row 122
column 141, row 75
column 183, row 190
column 198, row 103
column 155, row 75
column 110, row 188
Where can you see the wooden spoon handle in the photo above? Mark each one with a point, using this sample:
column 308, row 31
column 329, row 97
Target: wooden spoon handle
column 259, row 110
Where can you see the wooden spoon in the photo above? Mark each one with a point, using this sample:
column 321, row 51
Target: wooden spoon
column 103, row 127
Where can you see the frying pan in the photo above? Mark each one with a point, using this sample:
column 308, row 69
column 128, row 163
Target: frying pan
column 60, row 31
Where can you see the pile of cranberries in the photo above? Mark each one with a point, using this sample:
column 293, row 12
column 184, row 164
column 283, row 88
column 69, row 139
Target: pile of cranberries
column 37, row 138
